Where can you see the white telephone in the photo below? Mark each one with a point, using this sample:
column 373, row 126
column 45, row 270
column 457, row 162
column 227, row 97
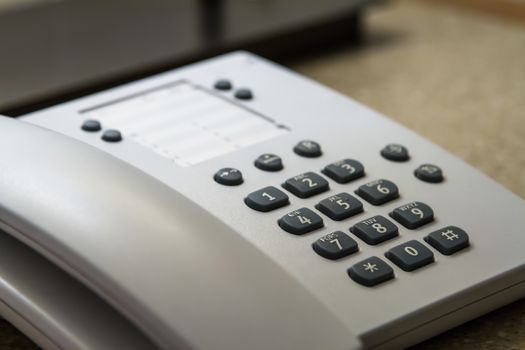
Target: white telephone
column 233, row 204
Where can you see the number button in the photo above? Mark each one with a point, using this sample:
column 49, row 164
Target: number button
column 371, row 272
column 410, row 256
column 413, row 215
column 344, row 170
column 340, row 206
column 448, row 240
column 335, row 245
column 306, row 185
column 375, row 230
column 307, row 148
column 378, row 192
column 266, row 199
column 300, row 221
column 395, row 152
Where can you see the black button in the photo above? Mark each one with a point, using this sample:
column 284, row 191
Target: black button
column 395, row 152
column 300, row 221
column 429, row 173
column 378, row 192
column 410, row 255
column 335, row 245
column 309, row 149
column 306, row 185
column 371, row 271
column 375, row 230
column 340, row 206
column 413, row 215
column 111, row 135
column 266, row 199
column 244, row 94
column 344, row 170
column 269, row 162
column 91, row 125
column 448, row 240
column 223, row 84
column 228, row 177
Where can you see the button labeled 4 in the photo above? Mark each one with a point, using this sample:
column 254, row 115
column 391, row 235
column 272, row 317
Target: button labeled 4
column 300, row 221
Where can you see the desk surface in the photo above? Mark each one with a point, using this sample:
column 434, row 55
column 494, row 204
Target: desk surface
column 457, row 77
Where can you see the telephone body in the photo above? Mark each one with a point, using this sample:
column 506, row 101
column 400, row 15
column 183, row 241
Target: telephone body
column 126, row 240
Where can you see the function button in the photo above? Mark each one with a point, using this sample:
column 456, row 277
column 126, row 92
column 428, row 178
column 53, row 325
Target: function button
column 269, row 162
column 448, row 240
column 228, row 177
column 375, row 230
column 340, row 206
column 335, row 245
column 223, row 84
column 244, row 94
column 91, row 125
column 413, row 215
column 306, row 185
column 371, row 271
column 378, row 192
column 410, row 255
column 112, row 135
column 300, row 221
column 344, row 170
column 266, row 199
column 309, row 149
column 429, row 173
column 395, row 152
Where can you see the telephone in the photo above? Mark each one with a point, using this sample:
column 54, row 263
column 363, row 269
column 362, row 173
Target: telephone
column 233, row 204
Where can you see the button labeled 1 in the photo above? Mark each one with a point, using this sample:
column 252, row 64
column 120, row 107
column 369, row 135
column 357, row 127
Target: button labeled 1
column 266, row 199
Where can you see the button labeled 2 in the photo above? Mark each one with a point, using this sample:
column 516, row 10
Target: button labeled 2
column 306, row 185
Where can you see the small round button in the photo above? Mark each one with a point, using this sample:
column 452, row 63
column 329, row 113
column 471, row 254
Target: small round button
column 91, row 125
column 112, row 135
column 269, row 162
column 244, row 94
column 223, row 84
column 228, row 177
column 429, row 173
column 307, row 148
column 395, row 152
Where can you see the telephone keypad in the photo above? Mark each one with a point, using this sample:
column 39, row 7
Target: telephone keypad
column 448, row 240
column 267, row 199
column 371, row 271
column 375, row 230
column 306, row 185
column 340, row 206
column 344, row 170
column 300, row 221
column 335, row 245
column 308, row 149
column 413, row 215
column 410, row 255
column 378, row 192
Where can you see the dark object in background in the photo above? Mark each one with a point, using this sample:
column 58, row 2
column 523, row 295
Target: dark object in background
column 59, row 50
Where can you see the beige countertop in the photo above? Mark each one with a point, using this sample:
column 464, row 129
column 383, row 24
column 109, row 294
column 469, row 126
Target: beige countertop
column 457, row 77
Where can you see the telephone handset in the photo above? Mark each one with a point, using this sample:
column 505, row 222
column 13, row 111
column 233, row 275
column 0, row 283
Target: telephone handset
column 192, row 211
